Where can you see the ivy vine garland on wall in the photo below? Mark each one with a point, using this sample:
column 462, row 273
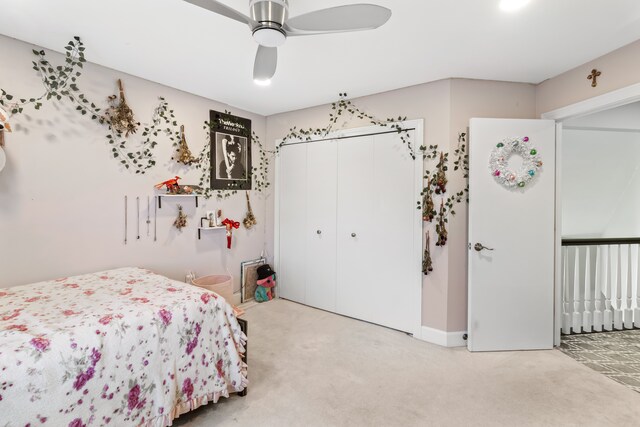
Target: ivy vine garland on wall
column 499, row 162
column 340, row 109
column 436, row 185
column 61, row 82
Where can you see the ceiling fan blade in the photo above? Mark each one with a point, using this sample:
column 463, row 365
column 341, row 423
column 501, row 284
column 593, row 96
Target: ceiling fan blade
column 224, row 10
column 355, row 17
column 266, row 63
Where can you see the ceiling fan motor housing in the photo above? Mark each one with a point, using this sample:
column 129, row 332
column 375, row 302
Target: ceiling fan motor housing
column 270, row 15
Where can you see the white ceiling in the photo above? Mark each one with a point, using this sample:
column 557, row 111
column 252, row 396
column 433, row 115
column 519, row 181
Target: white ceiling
column 185, row 47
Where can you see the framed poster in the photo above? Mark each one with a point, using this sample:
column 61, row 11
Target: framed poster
column 230, row 152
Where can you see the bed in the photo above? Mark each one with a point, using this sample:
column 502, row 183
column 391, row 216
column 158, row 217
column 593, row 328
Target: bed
column 124, row 347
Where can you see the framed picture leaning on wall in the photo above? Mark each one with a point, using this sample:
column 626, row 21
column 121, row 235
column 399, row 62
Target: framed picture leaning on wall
column 230, row 152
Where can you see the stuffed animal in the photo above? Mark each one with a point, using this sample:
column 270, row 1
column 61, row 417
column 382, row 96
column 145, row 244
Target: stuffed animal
column 266, row 283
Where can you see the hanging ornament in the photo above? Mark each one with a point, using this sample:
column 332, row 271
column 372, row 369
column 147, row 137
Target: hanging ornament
column 230, row 224
column 428, row 207
column 441, row 175
column 250, row 220
column 499, row 162
column 120, row 115
column 184, row 155
column 427, row 265
column 441, row 227
column 4, row 125
column 181, row 221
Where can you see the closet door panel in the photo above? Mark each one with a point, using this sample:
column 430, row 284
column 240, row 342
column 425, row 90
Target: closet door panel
column 356, row 235
column 293, row 222
column 321, row 225
column 394, row 290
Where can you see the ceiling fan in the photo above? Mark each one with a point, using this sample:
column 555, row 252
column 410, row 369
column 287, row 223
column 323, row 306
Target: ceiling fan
column 271, row 25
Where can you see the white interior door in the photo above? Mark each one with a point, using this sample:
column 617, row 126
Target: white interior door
column 511, row 289
column 292, row 195
column 320, row 233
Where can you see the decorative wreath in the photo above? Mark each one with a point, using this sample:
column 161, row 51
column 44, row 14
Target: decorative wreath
column 499, row 162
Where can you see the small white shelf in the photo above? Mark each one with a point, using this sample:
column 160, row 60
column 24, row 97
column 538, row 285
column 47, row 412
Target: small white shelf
column 218, row 227
column 160, row 196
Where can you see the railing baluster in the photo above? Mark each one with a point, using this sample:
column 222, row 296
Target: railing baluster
column 566, row 310
column 577, row 316
column 636, row 284
column 597, row 314
column 587, row 315
column 607, row 297
column 606, row 274
column 617, row 313
column 628, row 311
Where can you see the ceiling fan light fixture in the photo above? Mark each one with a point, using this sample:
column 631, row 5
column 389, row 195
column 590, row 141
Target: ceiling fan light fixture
column 269, row 36
column 512, row 5
column 262, row 82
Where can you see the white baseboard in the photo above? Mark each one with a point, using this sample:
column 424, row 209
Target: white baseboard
column 445, row 339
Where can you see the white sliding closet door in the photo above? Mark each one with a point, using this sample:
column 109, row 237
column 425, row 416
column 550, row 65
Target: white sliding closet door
column 293, row 221
column 356, row 228
column 321, row 225
column 377, row 267
column 349, row 236
column 397, row 286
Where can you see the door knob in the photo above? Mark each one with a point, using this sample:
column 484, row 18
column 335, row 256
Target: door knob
column 353, row 234
column 479, row 246
column 319, row 232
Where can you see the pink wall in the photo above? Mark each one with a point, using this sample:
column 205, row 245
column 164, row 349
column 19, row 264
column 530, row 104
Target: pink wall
column 62, row 195
column 446, row 106
column 429, row 102
column 485, row 99
column 619, row 68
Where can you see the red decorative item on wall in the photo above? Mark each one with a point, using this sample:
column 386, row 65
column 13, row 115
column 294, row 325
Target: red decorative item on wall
column 230, row 224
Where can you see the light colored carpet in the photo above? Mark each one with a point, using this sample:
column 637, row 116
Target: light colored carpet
column 312, row 368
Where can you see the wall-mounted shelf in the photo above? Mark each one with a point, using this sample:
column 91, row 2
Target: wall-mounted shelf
column 203, row 228
column 160, row 196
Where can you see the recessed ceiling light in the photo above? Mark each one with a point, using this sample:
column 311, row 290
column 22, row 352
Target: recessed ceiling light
column 265, row 82
column 512, row 5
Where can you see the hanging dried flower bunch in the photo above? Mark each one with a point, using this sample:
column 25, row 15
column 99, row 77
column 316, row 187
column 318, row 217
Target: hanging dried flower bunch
column 181, row 221
column 441, row 227
column 441, row 174
column 250, row 220
column 184, row 155
column 428, row 207
column 427, row 264
column 119, row 115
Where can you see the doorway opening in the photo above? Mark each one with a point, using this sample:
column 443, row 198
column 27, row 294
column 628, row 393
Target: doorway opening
column 598, row 242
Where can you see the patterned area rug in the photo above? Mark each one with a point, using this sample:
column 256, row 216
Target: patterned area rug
column 614, row 354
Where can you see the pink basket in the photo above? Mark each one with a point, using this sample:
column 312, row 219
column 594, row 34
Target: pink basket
column 221, row 284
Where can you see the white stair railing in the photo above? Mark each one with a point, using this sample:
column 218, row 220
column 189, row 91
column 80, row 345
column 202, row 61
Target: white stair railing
column 600, row 285
column 598, row 320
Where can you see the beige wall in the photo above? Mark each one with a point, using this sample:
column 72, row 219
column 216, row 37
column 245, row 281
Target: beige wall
column 446, row 107
column 62, row 194
column 484, row 99
column 619, row 68
column 429, row 102
column 59, row 176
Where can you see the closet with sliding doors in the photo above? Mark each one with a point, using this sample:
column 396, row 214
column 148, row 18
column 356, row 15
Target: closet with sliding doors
column 348, row 232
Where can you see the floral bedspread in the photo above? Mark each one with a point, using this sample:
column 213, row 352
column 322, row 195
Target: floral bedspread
column 123, row 347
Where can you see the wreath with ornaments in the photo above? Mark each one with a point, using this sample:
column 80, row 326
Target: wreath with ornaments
column 499, row 162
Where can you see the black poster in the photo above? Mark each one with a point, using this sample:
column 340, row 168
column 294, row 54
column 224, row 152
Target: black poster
column 230, row 152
